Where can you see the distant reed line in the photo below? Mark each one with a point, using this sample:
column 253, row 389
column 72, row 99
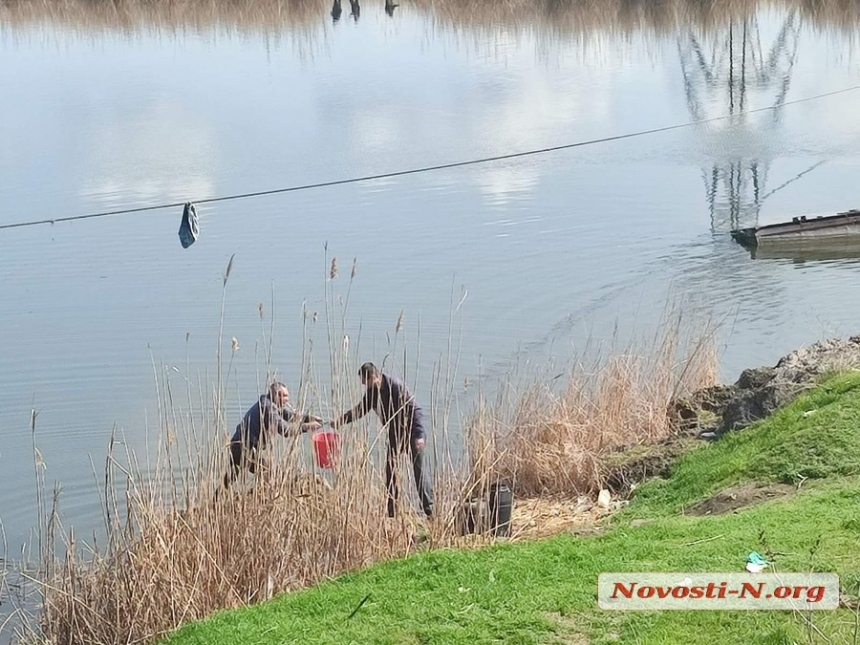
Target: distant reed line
column 559, row 17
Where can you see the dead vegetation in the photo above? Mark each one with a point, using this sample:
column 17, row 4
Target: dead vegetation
column 549, row 442
column 558, row 18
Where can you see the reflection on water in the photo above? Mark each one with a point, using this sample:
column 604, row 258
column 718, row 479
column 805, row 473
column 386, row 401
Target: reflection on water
column 551, row 250
column 726, row 73
column 802, row 252
column 549, row 18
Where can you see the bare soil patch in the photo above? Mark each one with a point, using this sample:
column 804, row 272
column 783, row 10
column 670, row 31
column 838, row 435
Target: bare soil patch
column 739, row 497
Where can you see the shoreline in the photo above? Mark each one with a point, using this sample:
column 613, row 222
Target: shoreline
column 757, row 394
column 707, row 515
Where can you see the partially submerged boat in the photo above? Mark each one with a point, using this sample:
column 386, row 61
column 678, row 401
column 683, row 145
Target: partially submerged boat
column 840, row 229
column 800, row 252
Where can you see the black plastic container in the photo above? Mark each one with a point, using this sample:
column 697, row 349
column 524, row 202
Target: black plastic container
column 501, row 505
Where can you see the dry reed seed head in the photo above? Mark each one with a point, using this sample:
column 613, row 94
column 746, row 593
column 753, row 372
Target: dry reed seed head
column 315, row 316
column 234, row 344
column 399, row 324
column 260, row 309
column 333, row 271
column 354, row 264
column 229, row 269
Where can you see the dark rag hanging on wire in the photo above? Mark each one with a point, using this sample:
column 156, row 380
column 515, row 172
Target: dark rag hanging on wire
column 189, row 229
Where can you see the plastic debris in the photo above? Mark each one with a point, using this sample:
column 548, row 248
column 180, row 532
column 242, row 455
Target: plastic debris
column 756, row 563
column 604, row 498
column 189, row 229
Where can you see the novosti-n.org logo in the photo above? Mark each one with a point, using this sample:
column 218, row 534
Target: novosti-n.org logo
column 658, row 591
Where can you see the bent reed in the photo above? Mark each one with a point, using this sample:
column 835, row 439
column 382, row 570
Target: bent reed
column 174, row 552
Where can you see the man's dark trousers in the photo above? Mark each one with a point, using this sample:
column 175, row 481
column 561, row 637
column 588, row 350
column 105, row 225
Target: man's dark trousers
column 397, row 445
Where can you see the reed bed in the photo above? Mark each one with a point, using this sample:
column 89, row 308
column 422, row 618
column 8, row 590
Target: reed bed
column 177, row 547
column 553, row 440
column 197, row 16
column 561, row 18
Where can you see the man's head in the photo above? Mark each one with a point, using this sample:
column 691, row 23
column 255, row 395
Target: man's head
column 370, row 375
column 279, row 394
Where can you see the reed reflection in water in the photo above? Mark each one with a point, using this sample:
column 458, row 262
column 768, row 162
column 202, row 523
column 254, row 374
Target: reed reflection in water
column 550, row 18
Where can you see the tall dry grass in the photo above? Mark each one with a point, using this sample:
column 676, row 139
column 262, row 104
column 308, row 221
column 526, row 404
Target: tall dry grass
column 563, row 18
column 551, row 440
column 196, row 16
column 176, row 546
column 174, row 551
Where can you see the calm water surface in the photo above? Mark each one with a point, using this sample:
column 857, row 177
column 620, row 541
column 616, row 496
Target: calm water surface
column 525, row 258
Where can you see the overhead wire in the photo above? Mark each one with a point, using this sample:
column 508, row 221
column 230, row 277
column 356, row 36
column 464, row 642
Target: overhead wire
column 424, row 169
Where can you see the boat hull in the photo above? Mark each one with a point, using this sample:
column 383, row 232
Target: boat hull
column 807, row 251
column 840, row 229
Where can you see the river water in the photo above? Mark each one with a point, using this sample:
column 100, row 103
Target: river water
column 521, row 259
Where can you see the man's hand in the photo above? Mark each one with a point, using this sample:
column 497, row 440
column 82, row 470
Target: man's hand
column 419, row 444
column 314, row 419
column 311, row 427
column 334, row 424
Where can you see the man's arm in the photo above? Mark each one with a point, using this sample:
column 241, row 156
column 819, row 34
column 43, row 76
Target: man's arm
column 283, row 421
column 289, row 417
column 310, row 418
column 292, row 416
column 364, row 406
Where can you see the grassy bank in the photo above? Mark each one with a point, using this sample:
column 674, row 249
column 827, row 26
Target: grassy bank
column 795, row 494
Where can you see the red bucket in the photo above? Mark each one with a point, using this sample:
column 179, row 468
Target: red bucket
column 326, row 448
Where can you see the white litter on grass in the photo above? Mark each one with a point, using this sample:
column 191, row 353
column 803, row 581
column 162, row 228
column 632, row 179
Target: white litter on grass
column 604, row 498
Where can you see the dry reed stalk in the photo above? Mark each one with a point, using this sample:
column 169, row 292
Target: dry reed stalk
column 557, row 18
column 590, row 19
column 132, row 16
column 553, row 443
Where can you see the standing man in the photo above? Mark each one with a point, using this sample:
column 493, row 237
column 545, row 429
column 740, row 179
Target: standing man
column 403, row 417
column 271, row 413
